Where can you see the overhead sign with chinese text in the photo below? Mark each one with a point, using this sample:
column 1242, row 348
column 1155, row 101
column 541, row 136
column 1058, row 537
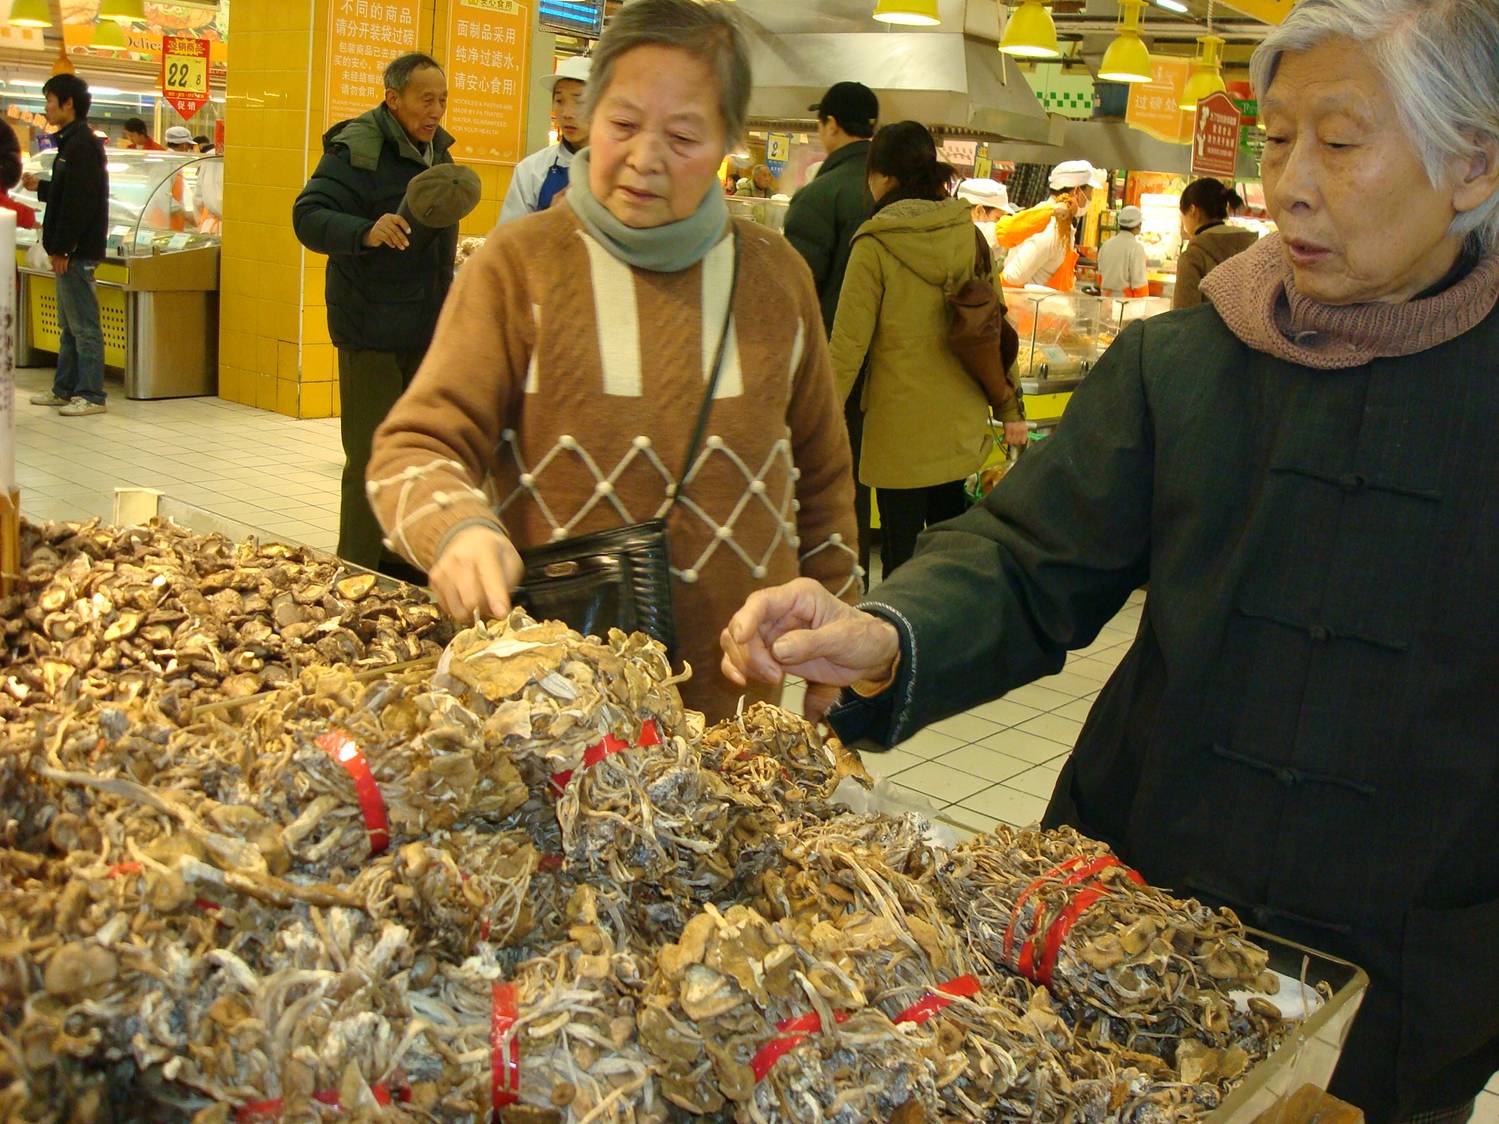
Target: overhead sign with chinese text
column 364, row 37
column 488, row 48
column 1153, row 106
column 1215, row 138
column 184, row 73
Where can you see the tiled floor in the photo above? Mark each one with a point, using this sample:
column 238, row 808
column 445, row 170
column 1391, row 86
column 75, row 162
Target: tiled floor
column 996, row 763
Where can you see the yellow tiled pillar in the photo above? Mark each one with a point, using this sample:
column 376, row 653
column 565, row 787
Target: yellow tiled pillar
column 274, row 350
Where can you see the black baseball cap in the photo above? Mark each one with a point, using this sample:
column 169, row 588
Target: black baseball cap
column 853, row 105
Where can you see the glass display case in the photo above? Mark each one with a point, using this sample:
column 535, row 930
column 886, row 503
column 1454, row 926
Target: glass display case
column 766, row 212
column 1121, row 312
column 158, row 284
column 1058, row 335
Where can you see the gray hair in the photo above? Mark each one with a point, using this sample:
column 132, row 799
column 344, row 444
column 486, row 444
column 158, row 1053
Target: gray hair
column 1440, row 59
column 398, row 74
column 707, row 29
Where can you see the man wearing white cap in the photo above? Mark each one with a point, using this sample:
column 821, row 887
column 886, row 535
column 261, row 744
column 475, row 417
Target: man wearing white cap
column 1121, row 260
column 540, row 177
column 1048, row 256
column 991, row 204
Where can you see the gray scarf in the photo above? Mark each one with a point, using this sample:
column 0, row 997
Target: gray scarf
column 660, row 249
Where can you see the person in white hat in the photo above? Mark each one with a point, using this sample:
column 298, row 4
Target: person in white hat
column 1121, row 260
column 991, row 203
column 1048, row 256
column 179, row 138
column 542, row 176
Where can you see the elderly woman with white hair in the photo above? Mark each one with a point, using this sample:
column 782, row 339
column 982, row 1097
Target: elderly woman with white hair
column 1305, row 471
column 581, row 345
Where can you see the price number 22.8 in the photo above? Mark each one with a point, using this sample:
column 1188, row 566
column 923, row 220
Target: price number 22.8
column 185, row 74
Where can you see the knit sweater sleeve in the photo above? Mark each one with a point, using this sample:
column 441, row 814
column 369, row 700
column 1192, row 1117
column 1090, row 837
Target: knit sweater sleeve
column 433, row 450
column 825, row 525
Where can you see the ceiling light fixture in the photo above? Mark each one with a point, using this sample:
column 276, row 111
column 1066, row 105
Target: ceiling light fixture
column 908, row 13
column 1206, row 76
column 1173, row 6
column 1029, row 33
column 108, row 36
column 123, row 11
column 1127, row 59
column 30, row 13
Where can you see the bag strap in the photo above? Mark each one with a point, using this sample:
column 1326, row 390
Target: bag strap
column 701, row 428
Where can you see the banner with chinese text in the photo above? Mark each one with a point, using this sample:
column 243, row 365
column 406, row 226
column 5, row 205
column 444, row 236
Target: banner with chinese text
column 1153, row 106
column 488, row 50
column 364, row 37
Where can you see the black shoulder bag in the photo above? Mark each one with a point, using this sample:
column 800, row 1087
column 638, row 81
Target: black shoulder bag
column 619, row 578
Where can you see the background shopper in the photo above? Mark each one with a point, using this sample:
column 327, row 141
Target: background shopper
column 382, row 301
column 75, row 228
column 1121, row 260
column 820, row 223
column 1298, row 731
column 10, row 176
column 570, row 362
column 1205, row 207
column 926, row 421
column 542, row 176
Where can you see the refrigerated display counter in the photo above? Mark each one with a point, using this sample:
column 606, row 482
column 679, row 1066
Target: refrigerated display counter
column 158, row 284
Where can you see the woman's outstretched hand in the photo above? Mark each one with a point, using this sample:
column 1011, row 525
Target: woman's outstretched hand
column 801, row 629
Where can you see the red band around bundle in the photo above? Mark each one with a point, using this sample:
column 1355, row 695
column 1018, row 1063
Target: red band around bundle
column 504, row 1065
column 343, row 749
column 795, row 1032
column 649, row 735
column 271, row 1109
column 923, row 1009
column 1082, row 870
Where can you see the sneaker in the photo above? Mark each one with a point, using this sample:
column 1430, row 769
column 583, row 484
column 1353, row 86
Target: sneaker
column 48, row 399
column 78, row 407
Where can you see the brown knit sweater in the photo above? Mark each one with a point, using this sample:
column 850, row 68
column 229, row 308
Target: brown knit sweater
column 566, row 384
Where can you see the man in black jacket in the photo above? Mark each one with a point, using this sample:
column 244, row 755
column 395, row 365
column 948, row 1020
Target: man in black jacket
column 821, row 222
column 74, row 229
column 383, row 296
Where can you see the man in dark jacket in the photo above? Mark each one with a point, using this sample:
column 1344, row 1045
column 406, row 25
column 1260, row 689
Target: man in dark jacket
column 74, row 230
column 821, row 222
column 383, row 297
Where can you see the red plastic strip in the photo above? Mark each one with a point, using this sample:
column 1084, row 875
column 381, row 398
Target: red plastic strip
column 798, row 1031
column 347, row 753
column 649, row 735
column 1026, row 964
column 271, row 1109
column 504, row 1065
column 924, row 1008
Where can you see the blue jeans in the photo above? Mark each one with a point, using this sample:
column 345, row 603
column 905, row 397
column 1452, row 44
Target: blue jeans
column 80, row 352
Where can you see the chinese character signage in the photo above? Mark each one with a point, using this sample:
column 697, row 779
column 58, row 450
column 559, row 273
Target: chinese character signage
column 488, row 49
column 1215, row 140
column 365, row 36
column 184, row 73
column 1153, row 106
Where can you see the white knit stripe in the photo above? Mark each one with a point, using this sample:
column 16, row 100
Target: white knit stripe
column 533, row 374
column 797, row 347
column 617, row 313
column 718, row 279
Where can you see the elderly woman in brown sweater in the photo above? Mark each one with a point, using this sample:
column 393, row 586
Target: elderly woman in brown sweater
column 560, row 394
column 1304, row 726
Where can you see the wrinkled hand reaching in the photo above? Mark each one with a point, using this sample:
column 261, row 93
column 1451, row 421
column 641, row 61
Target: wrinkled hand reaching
column 802, row 629
column 476, row 572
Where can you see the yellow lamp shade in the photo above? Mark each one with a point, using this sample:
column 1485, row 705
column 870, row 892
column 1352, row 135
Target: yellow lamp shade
column 1126, row 60
column 1206, row 78
column 1029, row 33
column 910, row 13
column 125, row 11
column 30, row 13
column 109, row 36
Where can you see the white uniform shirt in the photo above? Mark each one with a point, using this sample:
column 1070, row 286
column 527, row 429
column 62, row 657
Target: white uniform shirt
column 1121, row 264
column 530, row 174
column 210, row 187
column 1035, row 260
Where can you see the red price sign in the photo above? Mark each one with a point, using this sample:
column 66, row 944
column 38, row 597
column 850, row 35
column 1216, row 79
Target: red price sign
column 184, row 73
column 1215, row 137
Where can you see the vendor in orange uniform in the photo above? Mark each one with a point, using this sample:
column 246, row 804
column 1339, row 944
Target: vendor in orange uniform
column 1045, row 251
column 1121, row 260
